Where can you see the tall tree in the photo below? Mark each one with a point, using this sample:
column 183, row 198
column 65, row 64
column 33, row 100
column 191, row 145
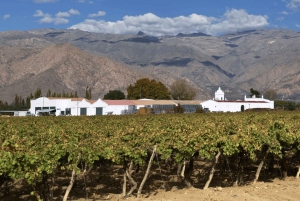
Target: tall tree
column 38, row 93
column 254, row 92
column 181, row 90
column 114, row 95
column 88, row 93
column 48, row 93
column 270, row 94
column 145, row 88
column 28, row 102
column 17, row 102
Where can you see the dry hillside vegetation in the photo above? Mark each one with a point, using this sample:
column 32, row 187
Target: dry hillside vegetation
column 60, row 68
column 259, row 59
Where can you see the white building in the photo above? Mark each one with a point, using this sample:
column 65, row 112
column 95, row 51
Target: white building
column 67, row 106
column 220, row 104
column 81, row 106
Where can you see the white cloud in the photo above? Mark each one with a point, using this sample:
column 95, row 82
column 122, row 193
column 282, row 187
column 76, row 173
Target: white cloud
column 280, row 19
column 74, row 12
column 98, row 14
column 236, row 20
column 84, row 1
column 232, row 20
column 60, row 17
column 297, row 25
column 67, row 14
column 284, row 13
column 38, row 13
column 45, row 1
column 5, row 17
column 292, row 4
column 62, row 14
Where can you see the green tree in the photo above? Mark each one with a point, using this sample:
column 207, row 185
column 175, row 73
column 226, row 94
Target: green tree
column 28, row 102
column 48, row 93
column 254, row 92
column 145, row 88
column 181, row 90
column 284, row 105
column 38, row 93
column 178, row 109
column 200, row 109
column 88, row 93
column 270, row 94
column 298, row 106
column 17, row 102
column 114, row 95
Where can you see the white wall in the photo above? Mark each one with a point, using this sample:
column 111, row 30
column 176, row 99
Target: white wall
column 75, row 106
column 235, row 106
column 114, row 109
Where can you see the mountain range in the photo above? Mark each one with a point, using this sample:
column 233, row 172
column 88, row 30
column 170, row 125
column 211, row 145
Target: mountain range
column 70, row 60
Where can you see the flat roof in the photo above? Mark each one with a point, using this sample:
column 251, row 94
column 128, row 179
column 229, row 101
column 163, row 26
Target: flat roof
column 119, row 102
column 239, row 101
column 188, row 102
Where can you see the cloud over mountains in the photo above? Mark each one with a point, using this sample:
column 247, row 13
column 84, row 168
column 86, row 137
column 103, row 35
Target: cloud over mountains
column 232, row 20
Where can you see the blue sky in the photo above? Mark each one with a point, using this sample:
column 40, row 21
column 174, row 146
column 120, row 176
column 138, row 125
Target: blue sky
column 154, row 17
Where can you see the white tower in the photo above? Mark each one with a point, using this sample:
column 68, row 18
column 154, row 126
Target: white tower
column 219, row 95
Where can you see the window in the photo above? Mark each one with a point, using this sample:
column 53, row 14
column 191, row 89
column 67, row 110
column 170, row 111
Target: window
column 68, row 111
column 37, row 108
column 82, row 111
column 160, row 109
column 99, row 111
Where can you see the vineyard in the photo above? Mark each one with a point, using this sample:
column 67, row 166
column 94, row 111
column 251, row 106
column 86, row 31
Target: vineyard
column 236, row 146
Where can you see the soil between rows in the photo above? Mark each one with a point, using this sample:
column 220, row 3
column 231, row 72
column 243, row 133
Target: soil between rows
column 105, row 183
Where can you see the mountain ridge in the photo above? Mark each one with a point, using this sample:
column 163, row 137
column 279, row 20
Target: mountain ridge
column 259, row 59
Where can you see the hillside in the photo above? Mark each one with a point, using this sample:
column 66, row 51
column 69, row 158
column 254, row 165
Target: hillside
column 259, row 59
column 60, row 68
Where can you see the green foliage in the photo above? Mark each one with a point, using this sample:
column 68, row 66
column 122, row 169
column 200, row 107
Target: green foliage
column 284, row 105
column 88, row 93
column 20, row 103
column 254, row 92
column 200, row 110
column 270, row 94
column 32, row 148
column 114, row 95
column 178, row 109
column 38, row 93
column 3, row 105
column 62, row 95
column 145, row 88
column 181, row 90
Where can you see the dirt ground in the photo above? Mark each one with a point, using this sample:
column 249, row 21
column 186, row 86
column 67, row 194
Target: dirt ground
column 275, row 190
column 155, row 189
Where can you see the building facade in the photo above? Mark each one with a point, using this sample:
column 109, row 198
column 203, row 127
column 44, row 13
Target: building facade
column 81, row 106
column 221, row 104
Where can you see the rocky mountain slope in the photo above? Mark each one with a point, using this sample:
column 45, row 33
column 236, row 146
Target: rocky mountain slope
column 60, row 68
column 259, row 59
